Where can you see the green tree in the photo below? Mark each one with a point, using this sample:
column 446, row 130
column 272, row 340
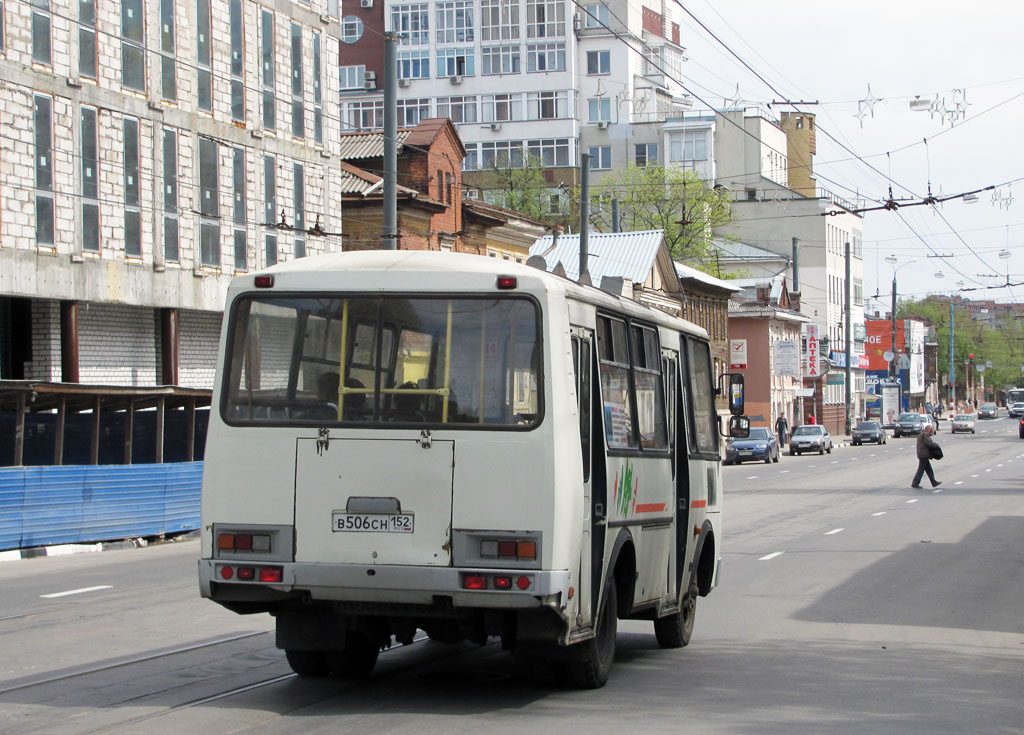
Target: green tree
column 523, row 189
column 670, row 199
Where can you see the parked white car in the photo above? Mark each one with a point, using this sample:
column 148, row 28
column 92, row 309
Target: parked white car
column 810, row 438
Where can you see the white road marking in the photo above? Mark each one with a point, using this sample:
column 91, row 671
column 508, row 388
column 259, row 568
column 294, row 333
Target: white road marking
column 835, row 461
column 959, row 482
column 989, row 469
column 782, row 472
column 973, row 475
column 752, row 477
column 998, row 465
column 871, row 455
column 771, row 556
column 879, row 513
column 937, row 490
column 78, row 591
column 834, row 531
column 913, row 500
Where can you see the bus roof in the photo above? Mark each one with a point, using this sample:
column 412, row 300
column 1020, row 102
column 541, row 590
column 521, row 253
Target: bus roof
column 405, row 270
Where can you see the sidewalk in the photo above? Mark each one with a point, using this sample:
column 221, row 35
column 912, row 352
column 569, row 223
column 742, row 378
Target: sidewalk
column 66, row 549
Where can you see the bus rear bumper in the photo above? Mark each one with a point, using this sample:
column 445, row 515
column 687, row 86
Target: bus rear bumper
column 415, row 585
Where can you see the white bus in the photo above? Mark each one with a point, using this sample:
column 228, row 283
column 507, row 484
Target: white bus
column 408, row 440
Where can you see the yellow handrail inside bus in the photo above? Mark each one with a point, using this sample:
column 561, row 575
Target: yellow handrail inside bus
column 341, row 363
column 447, row 364
column 483, row 360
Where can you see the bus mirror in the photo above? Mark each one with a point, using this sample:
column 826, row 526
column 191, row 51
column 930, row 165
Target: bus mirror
column 739, row 427
column 735, row 394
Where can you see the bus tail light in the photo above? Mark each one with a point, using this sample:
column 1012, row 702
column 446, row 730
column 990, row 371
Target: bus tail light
column 507, row 283
column 474, row 582
column 273, row 575
column 246, row 574
column 503, row 583
column 524, row 582
column 264, row 281
column 508, row 549
column 257, row 542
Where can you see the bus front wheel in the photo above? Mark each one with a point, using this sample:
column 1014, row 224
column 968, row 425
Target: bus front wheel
column 675, row 630
column 592, row 663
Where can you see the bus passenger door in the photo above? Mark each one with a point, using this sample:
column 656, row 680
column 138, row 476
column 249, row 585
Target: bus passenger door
column 671, row 366
column 592, row 534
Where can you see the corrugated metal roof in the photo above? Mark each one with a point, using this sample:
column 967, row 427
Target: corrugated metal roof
column 629, row 255
column 368, row 145
column 746, row 251
column 686, row 271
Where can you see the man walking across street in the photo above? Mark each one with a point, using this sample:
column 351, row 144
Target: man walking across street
column 781, row 427
column 926, row 446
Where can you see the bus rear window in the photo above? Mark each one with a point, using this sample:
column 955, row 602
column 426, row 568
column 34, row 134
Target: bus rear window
column 383, row 361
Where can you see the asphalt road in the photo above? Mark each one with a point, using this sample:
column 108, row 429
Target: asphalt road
column 849, row 603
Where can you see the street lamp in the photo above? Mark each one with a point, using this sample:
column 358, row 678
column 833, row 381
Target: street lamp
column 892, row 316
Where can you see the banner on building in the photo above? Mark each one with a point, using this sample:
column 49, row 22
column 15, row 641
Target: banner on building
column 738, row 354
column 786, row 355
column 813, row 352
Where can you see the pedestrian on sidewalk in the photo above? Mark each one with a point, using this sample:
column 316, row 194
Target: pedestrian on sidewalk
column 781, row 427
column 927, row 448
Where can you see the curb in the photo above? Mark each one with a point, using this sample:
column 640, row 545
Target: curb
column 67, row 549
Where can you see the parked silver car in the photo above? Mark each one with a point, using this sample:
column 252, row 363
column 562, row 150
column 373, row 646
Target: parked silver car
column 810, row 438
column 962, row 422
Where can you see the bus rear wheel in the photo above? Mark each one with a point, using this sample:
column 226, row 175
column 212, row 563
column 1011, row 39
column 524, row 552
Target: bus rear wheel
column 592, row 663
column 357, row 659
column 675, row 630
column 308, row 663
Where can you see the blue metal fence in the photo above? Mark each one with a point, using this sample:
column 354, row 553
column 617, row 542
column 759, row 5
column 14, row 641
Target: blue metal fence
column 40, row 506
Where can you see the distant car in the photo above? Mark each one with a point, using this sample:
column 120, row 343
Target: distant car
column 909, row 424
column 1016, row 409
column 929, row 418
column 760, row 445
column 868, row 431
column 962, row 422
column 810, row 438
column 987, row 411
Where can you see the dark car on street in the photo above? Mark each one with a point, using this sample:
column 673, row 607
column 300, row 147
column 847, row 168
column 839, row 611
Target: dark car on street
column 909, row 424
column 869, row 431
column 987, row 411
column 760, row 445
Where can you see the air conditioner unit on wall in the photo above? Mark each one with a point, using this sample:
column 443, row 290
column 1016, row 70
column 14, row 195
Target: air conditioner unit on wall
column 495, row 126
column 403, row 82
column 455, row 79
column 369, row 84
column 370, row 76
column 602, row 124
column 366, row 3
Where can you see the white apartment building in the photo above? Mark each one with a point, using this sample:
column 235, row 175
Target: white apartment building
column 522, row 77
column 144, row 147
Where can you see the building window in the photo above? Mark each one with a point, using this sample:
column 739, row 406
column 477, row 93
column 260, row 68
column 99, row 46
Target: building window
column 454, row 21
column 299, row 208
column 499, row 20
column 270, row 207
column 545, row 57
column 318, row 107
column 547, row 105
column 133, row 44
column 171, row 232
column 238, row 208
column 458, row 109
column 132, row 190
column 599, row 62
column 545, row 18
column 209, row 203
column 41, row 43
column 502, row 107
column 596, row 16
column 551, row 152
column 410, row 112
column 500, row 60
column 600, row 157
column 267, row 68
column 600, row 109
column 204, row 88
column 43, row 124
column 86, row 39
column 365, row 115
column 168, row 74
column 689, row 145
column 413, row 21
column 351, row 29
column 90, row 182
column 449, row 184
column 298, row 104
column 237, row 61
column 503, row 153
column 452, row 62
column 352, row 77
column 472, row 160
column 646, row 154
column 333, row 8
column 414, row 65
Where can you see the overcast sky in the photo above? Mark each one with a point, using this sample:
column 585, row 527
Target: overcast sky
column 830, row 53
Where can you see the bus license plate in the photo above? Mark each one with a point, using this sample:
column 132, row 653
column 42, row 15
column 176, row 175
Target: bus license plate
column 373, row 522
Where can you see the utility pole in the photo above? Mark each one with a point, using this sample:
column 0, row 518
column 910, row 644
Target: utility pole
column 847, row 338
column 796, row 264
column 952, row 366
column 584, row 216
column 390, row 173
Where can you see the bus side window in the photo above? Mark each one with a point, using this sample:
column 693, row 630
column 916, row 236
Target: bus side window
column 581, row 360
column 615, row 384
column 668, row 375
column 703, row 433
